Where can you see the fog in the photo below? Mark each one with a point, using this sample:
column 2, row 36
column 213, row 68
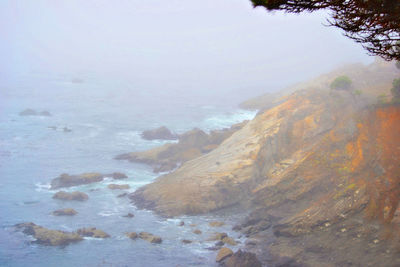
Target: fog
column 217, row 50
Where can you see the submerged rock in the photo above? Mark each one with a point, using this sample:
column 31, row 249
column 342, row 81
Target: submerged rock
column 65, row 212
column 181, row 223
column 150, row 237
column 92, row 232
column 129, row 215
column 118, row 186
column 48, row 237
column 76, row 195
column 32, row 112
column 186, row 241
column 162, row 133
column 223, row 253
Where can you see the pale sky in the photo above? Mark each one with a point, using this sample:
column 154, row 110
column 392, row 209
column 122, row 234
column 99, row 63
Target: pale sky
column 183, row 45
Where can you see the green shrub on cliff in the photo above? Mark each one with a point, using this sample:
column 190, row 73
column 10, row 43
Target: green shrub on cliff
column 341, row 83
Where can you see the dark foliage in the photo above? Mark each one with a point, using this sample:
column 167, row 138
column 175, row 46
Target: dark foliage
column 373, row 23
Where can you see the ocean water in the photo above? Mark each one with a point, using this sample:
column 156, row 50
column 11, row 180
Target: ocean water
column 106, row 119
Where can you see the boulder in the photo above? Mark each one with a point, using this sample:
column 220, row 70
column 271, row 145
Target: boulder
column 118, row 186
column 223, row 253
column 162, row 133
column 216, row 224
column 129, row 215
column 122, row 195
column 150, row 237
column 92, row 232
column 65, row 212
column 181, row 223
column 185, row 241
column 197, row 232
column 118, row 175
column 66, row 180
column 132, row 235
column 218, row 237
column 242, row 259
column 48, row 237
column 76, row 195
column 67, row 130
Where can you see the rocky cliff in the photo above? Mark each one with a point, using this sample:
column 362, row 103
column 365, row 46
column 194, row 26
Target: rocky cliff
column 320, row 170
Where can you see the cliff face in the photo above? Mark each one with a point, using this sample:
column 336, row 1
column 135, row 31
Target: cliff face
column 258, row 155
column 321, row 172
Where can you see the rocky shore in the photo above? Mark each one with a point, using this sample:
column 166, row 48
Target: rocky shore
column 319, row 170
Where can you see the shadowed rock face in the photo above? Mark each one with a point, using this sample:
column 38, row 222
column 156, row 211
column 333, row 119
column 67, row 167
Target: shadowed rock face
column 48, row 237
column 192, row 144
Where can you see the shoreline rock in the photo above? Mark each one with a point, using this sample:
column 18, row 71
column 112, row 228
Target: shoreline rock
column 48, row 237
column 92, row 232
column 118, row 186
column 66, row 180
column 76, row 195
column 65, row 212
column 150, row 238
column 160, row 133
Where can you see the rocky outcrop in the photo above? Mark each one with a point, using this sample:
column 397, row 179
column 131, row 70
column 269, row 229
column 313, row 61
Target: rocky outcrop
column 76, row 195
column 223, row 253
column 48, row 237
column 118, row 186
column 192, row 144
column 150, row 237
column 242, row 259
column 32, row 112
column 65, row 212
column 92, row 232
column 320, row 171
column 66, row 180
column 132, row 235
column 162, row 133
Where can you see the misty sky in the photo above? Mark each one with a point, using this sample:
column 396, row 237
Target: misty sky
column 206, row 45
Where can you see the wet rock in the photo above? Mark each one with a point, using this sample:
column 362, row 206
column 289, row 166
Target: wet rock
column 197, row 232
column 67, row 130
column 48, row 237
column 229, row 241
column 66, row 180
column 181, row 223
column 223, row 253
column 185, row 241
column 218, row 237
column 118, row 175
column 132, row 235
column 162, row 133
column 118, row 186
column 76, row 195
column 92, row 232
column 129, row 215
column 216, row 224
column 150, row 237
column 65, row 212
column 122, row 195
column 242, row 259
